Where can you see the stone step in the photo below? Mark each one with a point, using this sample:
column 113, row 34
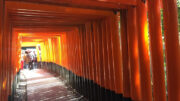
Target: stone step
column 22, row 80
column 22, row 85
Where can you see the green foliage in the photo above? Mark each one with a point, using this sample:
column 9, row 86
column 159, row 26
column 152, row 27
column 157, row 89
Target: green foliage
column 178, row 3
column 179, row 17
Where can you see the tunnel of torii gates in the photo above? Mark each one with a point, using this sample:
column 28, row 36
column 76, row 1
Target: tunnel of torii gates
column 105, row 60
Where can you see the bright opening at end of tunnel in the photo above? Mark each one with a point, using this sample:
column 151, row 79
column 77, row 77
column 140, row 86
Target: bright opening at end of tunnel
column 45, row 46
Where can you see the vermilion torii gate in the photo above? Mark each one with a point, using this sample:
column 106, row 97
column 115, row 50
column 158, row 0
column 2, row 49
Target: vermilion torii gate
column 115, row 66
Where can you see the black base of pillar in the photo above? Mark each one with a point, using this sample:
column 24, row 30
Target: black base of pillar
column 127, row 99
column 91, row 90
column 119, row 97
column 10, row 98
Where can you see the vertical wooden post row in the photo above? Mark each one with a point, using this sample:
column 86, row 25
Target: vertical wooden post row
column 172, row 48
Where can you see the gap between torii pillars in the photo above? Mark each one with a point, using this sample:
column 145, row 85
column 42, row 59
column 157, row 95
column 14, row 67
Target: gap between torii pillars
column 172, row 48
column 143, row 45
column 156, row 48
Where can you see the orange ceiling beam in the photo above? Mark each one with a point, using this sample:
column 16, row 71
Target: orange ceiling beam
column 55, row 9
column 31, row 14
column 96, row 4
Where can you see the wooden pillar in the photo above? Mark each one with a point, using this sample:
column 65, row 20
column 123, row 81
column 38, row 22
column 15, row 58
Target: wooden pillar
column 82, row 51
column 96, row 57
column 117, row 55
column 86, row 53
column 5, row 56
column 105, row 55
column 143, row 45
column 88, row 42
column 102, row 69
column 98, row 49
column 110, row 55
column 172, row 48
column 133, row 55
column 156, row 48
column 82, row 57
column 1, row 33
column 124, row 47
column 93, row 66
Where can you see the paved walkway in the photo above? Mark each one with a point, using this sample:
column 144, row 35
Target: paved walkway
column 43, row 86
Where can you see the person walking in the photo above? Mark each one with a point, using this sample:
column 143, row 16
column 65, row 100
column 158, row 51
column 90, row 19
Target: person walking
column 27, row 60
column 34, row 60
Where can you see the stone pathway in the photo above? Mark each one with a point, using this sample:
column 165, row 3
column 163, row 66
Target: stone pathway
column 44, row 86
column 21, row 89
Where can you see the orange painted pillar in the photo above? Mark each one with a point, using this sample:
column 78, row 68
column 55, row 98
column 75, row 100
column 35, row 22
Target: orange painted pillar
column 105, row 56
column 5, row 56
column 82, row 51
column 76, row 53
column 84, row 34
column 133, row 55
column 143, row 44
column 79, row 55
column 74, row 64
column 97, row 48
column 99, row 43
column 125, row 57
column 93, row 51
column 1, row 33
column 85, row 53
column 71, row 44
column 172, row 48
column 117, row 55
column 96, row 58
column 88, row 51
column 156, row 48
column 102, row 69
column 68, row 51
column 110, row 55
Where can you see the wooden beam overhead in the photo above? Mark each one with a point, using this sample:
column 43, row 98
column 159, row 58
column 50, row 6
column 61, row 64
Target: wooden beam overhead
column 94, row 4
column 55, row 9
column 25, row 13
